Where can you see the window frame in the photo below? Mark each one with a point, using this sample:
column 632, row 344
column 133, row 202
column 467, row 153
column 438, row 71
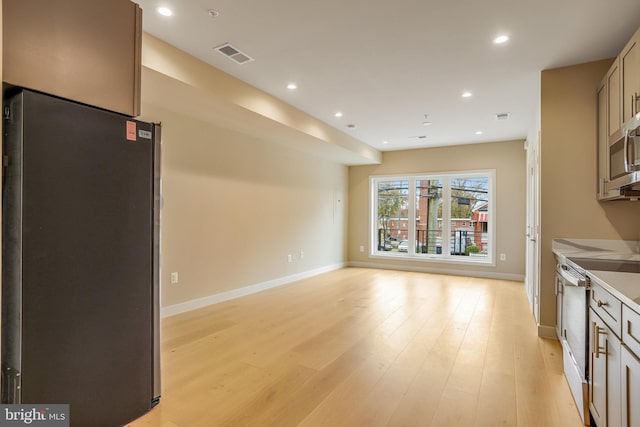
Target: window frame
column 445, row 256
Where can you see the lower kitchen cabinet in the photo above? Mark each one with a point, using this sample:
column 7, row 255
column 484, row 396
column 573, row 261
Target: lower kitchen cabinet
column 605, row 358
column 630, row 389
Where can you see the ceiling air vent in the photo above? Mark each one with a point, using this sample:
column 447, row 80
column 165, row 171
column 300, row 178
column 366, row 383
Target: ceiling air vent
column 503, row 116
column 233, row 53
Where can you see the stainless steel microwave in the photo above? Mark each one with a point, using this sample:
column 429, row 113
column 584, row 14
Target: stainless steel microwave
column 624, row 156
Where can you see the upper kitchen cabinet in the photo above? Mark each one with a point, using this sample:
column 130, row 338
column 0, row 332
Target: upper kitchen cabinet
column 630, row 77
column 614, row 116
column 609, row 123
column 603, row 144
column 86, row 51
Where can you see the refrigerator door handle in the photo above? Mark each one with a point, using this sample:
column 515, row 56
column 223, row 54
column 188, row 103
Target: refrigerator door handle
column 157, row 199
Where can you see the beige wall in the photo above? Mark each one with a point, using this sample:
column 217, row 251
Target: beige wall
column 241, row 190
column 509, row 161
column 235, row 207
column 568, row 172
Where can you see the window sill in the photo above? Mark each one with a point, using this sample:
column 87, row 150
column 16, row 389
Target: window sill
column 460, row 260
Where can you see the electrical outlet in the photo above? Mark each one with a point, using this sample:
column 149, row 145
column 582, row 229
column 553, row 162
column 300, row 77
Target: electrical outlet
column 503, row 257
column 289, row 258
column 174, row 278
column 361, row 248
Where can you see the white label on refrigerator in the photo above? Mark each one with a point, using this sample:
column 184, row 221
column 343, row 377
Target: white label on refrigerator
column 144, row 134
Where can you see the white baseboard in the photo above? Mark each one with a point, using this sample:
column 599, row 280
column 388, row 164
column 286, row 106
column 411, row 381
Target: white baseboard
column 547, row 332
column 194, row 304
column 449, row 271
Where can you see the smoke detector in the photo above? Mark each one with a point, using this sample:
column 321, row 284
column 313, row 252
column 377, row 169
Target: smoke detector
column 234, row 54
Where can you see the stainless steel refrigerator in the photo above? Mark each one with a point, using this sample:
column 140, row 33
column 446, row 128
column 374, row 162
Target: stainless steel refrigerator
column 80, row 252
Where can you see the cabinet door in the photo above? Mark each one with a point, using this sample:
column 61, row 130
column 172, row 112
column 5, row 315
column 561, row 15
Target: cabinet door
column 604, row 392
column 630, row 70
column 630, row 389
column 614, row 116
column 86, row 51
column 603, row 140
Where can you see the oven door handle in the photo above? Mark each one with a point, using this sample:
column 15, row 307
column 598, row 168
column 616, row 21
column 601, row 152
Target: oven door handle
column 575, row 282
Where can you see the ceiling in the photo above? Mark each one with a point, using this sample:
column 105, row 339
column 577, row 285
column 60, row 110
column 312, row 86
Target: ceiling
column 385, row 65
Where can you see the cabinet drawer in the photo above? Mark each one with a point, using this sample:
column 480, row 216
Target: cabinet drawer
column 631, row 329
column 607, row 307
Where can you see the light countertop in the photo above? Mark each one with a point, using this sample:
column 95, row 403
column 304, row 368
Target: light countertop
column 624, row 286
column 627, row 250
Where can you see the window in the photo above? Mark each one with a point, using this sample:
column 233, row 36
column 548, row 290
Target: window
column 452, row 213
column 391, row 206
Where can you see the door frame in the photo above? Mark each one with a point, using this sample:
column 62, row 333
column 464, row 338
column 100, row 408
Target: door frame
column 532, row 268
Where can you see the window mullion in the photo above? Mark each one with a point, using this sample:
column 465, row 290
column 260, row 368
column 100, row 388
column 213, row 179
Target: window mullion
column 373, row 218
column 411, row 226
column 446, row 216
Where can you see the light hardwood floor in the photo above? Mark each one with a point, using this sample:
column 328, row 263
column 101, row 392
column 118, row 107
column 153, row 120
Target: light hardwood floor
column 364, row 347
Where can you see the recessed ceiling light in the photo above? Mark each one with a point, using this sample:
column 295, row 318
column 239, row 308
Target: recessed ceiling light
column 338, row 114
column 479, row 132
column 292, row 86
column 213, row 13
column 467, row 95
column 165, row 11
column 501, row 39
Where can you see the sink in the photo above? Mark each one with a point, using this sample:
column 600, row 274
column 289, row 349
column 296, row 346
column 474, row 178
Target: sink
column 623, row 266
